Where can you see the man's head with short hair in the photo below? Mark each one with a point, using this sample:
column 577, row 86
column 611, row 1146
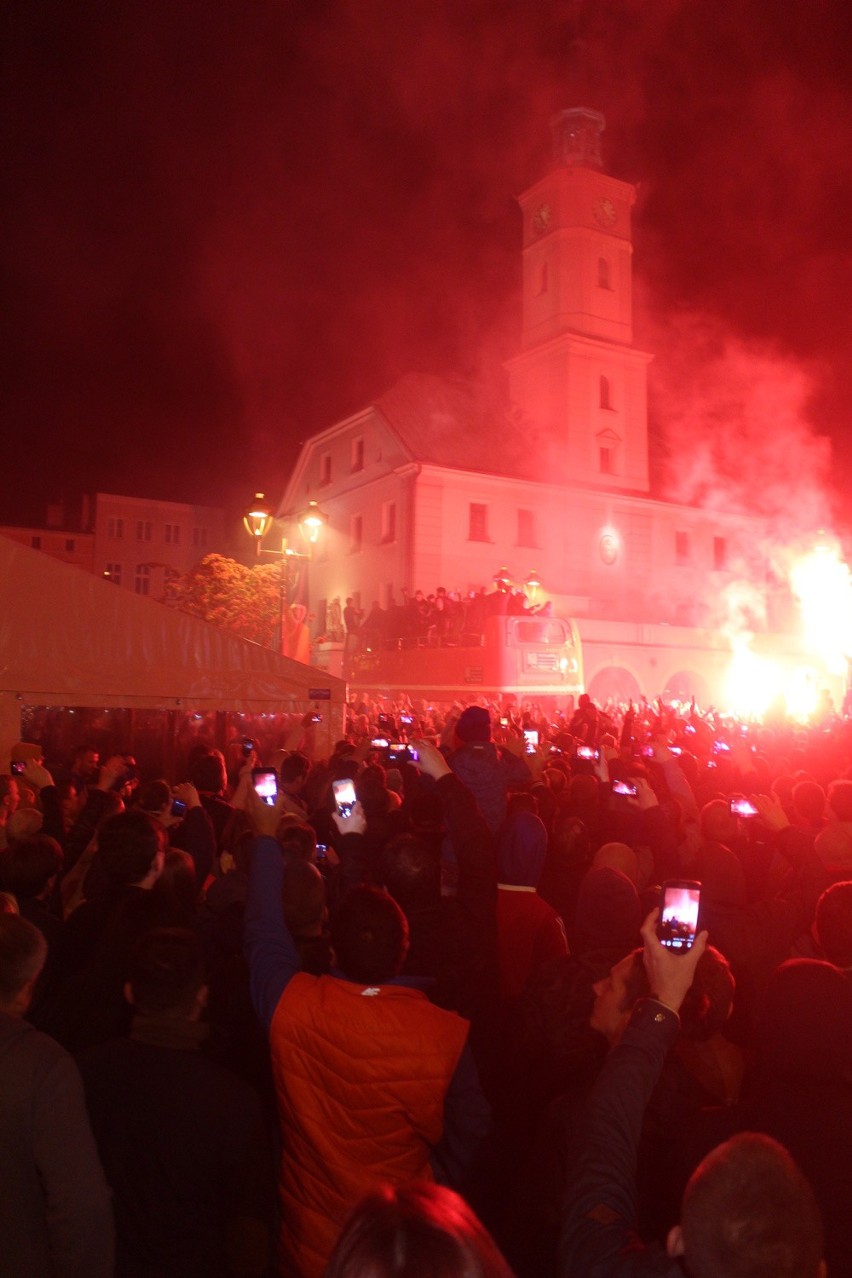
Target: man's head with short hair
column 369, row 935
column 294, row 769
column 166, row 973
column 411, row 869
column 23, row 824
column 840, row 800
column 207, row 773
column 808, row 801
column 834, row 924
column 131, row 848
column 704, row 1011
column 748, row 1212
column 23, row 951
column 27, row 867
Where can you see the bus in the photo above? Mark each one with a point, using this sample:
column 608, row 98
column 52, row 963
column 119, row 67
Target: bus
column 516, row 658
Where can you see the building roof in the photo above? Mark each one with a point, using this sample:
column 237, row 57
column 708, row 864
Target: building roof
column 460, row 424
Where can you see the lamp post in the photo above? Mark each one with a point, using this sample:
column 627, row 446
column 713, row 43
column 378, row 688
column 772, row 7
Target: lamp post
column 258, row 519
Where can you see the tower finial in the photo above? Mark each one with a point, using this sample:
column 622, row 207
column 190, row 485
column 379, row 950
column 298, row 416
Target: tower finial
column 577, row 138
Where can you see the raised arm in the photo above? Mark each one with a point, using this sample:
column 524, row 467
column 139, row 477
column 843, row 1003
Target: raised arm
column 269, row 948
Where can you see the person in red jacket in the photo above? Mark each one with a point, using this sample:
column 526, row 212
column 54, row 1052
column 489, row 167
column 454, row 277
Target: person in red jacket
column 373, row 1083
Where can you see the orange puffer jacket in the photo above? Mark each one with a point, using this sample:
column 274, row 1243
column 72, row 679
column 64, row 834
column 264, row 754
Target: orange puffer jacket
column 360, row 1075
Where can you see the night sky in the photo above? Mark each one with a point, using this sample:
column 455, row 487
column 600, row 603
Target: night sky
column 228, row 223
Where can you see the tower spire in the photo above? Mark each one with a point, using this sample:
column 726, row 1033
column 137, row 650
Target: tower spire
column 577, row 138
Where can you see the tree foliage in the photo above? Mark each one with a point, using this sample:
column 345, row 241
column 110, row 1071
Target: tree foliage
column 244, row 600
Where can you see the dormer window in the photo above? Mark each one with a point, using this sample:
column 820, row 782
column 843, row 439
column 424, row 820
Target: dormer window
column 357, row 455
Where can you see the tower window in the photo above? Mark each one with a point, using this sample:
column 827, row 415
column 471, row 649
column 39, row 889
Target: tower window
column 606, row 460
column 356, row 533
column 604, row 274
column 605, row 392
column 389, row 521
column 477, row 522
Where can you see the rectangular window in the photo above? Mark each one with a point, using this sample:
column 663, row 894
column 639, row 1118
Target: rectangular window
column 389, row 521
column 172, row 534
column 115, row 528
column 477, row 522
column 199, row 538
column 142, row 582
column 682, row 548
column 605, row 460
column 356, row 533
column 143, row 530
column 358, row 453
column 70, row 545
column 35, row 542
column 720, row 554
column 526, row 528
column 325, row 468
column 112, row 572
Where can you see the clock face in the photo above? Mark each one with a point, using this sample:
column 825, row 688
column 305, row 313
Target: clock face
column 603, row 211
column 542, row 219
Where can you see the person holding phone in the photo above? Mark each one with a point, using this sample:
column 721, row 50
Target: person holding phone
column 747, row 1207
column 373, row 1083
column 487, row 770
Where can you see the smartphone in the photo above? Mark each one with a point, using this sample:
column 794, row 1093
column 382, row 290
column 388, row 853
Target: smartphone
column 504, row 722
column 676, row 749
column 379, row 743
column 407, row 719
column 316, row 718
column 322, row 852
column 690, row 728
column 344, row 796
column 743, row 807
column 18, row 767
column 721, row 747
column 178, row 808
column 588, row 752
column 265, row 781
column 646, row 751
column 625, row 787
column 678, row 923
column 248, row 746
column 531, row 738
column 402, row 754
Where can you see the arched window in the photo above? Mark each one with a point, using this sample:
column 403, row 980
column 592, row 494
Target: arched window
column 605, row 392
column 604, row 277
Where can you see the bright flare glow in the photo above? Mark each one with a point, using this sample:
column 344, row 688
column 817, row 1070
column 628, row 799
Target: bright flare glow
column 822, row 584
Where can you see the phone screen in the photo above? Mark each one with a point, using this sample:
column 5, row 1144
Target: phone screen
column 743, row 807
column 678, row 923
column 624, row 787
column 587, row 752
column 266, row 784
column 18, row 768
column 531, row 738
column 344, row 796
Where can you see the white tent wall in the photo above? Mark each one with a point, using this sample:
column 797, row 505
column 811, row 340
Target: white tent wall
column 70, row 639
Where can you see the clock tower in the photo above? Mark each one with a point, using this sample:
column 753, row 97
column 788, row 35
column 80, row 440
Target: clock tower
column 578, row 379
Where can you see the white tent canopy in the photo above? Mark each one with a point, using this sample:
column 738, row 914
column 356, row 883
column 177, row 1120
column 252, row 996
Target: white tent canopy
column 70, row 639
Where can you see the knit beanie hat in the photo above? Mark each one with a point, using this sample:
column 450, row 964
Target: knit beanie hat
column 474, row 724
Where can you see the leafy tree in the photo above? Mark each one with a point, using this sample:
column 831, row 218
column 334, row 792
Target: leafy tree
column 244, row 600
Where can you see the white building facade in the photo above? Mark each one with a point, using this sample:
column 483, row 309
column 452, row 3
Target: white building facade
column 442, row 482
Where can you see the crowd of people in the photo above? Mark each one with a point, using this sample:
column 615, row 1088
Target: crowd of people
column 431, row 1027
column 441, row 617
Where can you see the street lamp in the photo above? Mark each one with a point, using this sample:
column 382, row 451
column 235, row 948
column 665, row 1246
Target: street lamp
column 531, row 585
column 258, row 519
